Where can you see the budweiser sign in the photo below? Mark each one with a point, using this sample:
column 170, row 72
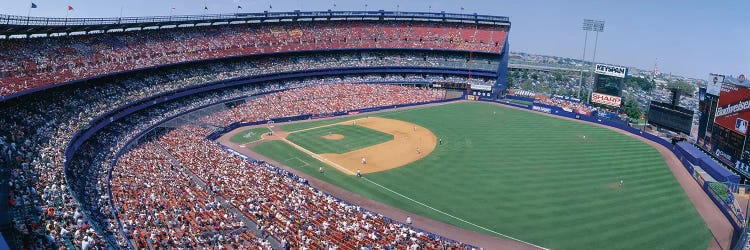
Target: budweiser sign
column 734, row 108
column 606, row 99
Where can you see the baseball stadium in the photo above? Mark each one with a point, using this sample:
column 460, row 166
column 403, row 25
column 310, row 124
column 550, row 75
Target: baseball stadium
column 326, row 130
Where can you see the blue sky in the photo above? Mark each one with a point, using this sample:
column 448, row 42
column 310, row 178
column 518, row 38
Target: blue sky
column 688, row 37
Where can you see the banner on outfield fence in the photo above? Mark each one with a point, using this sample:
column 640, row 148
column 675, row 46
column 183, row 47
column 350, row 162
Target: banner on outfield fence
column 542, row 109
column 606, row 99
column 611, row 70
column 481, row 87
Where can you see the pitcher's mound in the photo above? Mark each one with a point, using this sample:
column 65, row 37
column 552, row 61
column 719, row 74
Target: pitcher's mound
column 333, row 136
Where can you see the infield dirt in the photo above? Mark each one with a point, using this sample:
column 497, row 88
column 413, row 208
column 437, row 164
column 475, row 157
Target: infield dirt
column 334, row 137
column 410, row 143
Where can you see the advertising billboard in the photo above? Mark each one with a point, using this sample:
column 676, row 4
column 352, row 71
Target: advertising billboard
column 611, row 70
column 608, row 100
column 713, row 86
column 733, row 109
column 481, row 87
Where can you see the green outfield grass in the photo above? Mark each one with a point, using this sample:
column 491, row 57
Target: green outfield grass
column 531, row 177
column 355, row 137
column 248, row 135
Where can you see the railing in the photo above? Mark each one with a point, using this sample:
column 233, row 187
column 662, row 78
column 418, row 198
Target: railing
column 56, row 21
column 742, row 242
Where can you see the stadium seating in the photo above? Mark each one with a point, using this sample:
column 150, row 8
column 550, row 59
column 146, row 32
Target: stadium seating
column 35, row 133
column 29, row 64
column 59, row 200
column 328, row 100
column 568, row 105
column 205, row 161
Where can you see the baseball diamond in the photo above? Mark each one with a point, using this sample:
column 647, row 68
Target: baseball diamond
column 405, row 143
column 342, row 128
column 543, row 180
column 354, row 137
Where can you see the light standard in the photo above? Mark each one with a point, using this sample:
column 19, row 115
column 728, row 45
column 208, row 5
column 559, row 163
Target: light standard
column 589, row 25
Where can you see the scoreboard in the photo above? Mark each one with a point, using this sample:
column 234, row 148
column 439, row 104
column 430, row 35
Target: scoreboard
column 608, row 83
column 671, row 117
column 723, row 128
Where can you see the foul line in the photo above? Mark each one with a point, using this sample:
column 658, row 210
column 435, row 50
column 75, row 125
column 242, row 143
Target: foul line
column 340, row 168
column 318, row 157
column 449, row 215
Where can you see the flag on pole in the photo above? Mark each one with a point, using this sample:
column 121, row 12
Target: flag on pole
column 70, row 8
column 205, row 7
column 33, row 6
column 239, row 7
column 270, row 7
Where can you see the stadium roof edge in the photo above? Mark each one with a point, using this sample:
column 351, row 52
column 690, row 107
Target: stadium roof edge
column 13, row 25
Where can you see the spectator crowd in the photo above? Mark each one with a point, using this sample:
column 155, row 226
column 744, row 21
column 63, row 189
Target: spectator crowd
column 34, row 63
column 49, row 209
column 567, row 105
column 283, row 206
column 155, row 211
column 323, row 99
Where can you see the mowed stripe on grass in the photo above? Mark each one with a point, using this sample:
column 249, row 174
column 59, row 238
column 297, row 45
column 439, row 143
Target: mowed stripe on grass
column 355, row 137
column 538, row 179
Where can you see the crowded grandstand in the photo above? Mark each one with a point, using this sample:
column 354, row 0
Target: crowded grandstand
column 110, row 127
column 83, row 128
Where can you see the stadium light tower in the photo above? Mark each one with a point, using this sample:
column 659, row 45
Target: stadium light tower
column 589, row 25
